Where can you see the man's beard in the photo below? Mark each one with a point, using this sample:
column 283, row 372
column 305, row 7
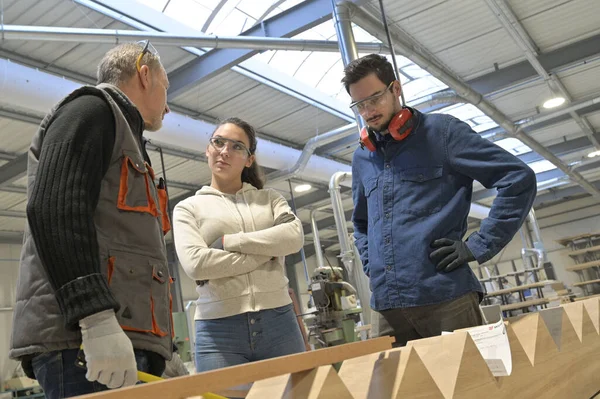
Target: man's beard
column 384, row 126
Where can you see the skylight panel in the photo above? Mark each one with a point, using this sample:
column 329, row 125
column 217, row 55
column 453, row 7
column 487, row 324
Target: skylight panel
column 189, row 12
column 421, row 87
column 541, row 166
column 253, row 8
column 282, row 7
column 291, row 60
column 156, row 4
column 465, row 112
column 514, row 146
column 483, row 123
column 233, row 23
column 315, row 66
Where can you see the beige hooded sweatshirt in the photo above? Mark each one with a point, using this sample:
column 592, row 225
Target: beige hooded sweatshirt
column 247, row 275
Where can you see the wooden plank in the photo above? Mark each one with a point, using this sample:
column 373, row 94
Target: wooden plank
column 399, row 373
column 521, row 288
column 567, row 240
column 583, row 298
column 592, row 305
column 582, row 359
column 516, row 385
column 456, row 366
column 579, row 284
column 525, row 304
column 555, row 374
column 584, row 251
column 319, row 383
column 416, row 381
column 583, row 266
column 217, row 380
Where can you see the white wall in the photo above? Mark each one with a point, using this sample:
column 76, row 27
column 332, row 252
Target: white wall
column 9, row 264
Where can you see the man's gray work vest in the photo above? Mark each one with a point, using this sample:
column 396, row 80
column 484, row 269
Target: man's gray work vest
column 132, row 251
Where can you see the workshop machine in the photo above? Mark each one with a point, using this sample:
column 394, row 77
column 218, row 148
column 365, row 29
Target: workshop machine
column 333, row 318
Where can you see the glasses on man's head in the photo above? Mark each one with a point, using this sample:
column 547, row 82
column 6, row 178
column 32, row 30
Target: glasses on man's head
column 234, row 146
column 147, row 48
column 371, row 102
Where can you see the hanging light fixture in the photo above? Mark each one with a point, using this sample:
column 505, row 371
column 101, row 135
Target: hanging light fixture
column 594, row 154
column 554, row 102
column 302, row 188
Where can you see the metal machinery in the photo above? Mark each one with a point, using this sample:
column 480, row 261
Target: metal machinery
column 336, row 311
column 182, row 336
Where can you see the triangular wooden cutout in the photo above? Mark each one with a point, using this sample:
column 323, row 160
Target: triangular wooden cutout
column 584, row 327
column 357, row 374
column 581, row 360
column 569, row 340
column 592, row 306
column 519, row 381
column 415, row 382
column 457, row 367
column 475, row 380
column 553, row 318
column 385, row 373
column 535, row 338
column 319, row 383
column 273, row 387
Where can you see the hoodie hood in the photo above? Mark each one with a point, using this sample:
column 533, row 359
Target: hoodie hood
column 208, row 190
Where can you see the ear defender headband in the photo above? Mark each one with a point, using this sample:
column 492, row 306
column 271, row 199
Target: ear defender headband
column 399, row 127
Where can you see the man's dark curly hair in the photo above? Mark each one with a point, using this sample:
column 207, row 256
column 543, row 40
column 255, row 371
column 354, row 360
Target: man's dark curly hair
column 372, row 63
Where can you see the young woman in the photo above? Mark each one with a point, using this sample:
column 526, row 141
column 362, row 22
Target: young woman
column 231, row 238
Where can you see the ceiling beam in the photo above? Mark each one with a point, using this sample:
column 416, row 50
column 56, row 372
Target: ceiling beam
column 563, row 148
column 574, row 53
column 13, row 170
column 11, row 237
column 556, row 195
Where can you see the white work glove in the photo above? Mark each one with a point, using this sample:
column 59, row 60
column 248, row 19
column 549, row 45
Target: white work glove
column 108, row 351
column 175, row 367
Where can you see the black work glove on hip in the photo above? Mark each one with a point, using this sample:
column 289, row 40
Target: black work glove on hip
column 449, row 254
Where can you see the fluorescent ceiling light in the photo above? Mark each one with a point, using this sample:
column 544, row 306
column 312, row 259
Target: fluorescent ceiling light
column 594, row 154
column 302, row 188
column 554, row 102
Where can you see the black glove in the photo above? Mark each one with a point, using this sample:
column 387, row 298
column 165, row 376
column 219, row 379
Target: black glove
column 284, row 218
column 450, row 254
column 218, row 244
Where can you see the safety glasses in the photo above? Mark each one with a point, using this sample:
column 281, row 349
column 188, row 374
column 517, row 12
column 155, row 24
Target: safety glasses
column 148, row 48
column 371, row 102
column 235, row 146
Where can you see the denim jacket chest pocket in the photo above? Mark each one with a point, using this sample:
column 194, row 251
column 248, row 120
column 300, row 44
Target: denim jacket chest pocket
column 373, row 203
column 421, row 190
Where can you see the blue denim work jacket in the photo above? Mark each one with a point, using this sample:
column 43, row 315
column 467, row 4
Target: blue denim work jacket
column 411, row 192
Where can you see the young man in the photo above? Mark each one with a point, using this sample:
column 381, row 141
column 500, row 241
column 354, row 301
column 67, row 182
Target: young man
column 412, row 193
column 93, row 265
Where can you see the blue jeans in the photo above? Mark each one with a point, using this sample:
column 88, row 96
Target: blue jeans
column 247, row 337
column 60, row 378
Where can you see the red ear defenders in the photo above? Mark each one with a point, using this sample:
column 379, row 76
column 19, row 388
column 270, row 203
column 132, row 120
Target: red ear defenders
column 400, row 126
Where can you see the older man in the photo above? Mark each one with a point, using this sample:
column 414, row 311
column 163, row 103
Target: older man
column 93, row 266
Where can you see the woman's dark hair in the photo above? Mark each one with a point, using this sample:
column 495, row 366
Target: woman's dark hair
column 253, row 174
column 364, row 66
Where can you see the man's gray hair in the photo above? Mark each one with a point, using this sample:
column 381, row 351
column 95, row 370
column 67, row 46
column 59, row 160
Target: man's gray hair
column 119, row 64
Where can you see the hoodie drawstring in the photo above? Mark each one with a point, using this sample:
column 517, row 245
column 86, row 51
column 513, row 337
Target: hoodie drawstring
column 249, row 211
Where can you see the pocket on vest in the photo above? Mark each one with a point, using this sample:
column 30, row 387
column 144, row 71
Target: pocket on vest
column 141, row 285
column 136, row 186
